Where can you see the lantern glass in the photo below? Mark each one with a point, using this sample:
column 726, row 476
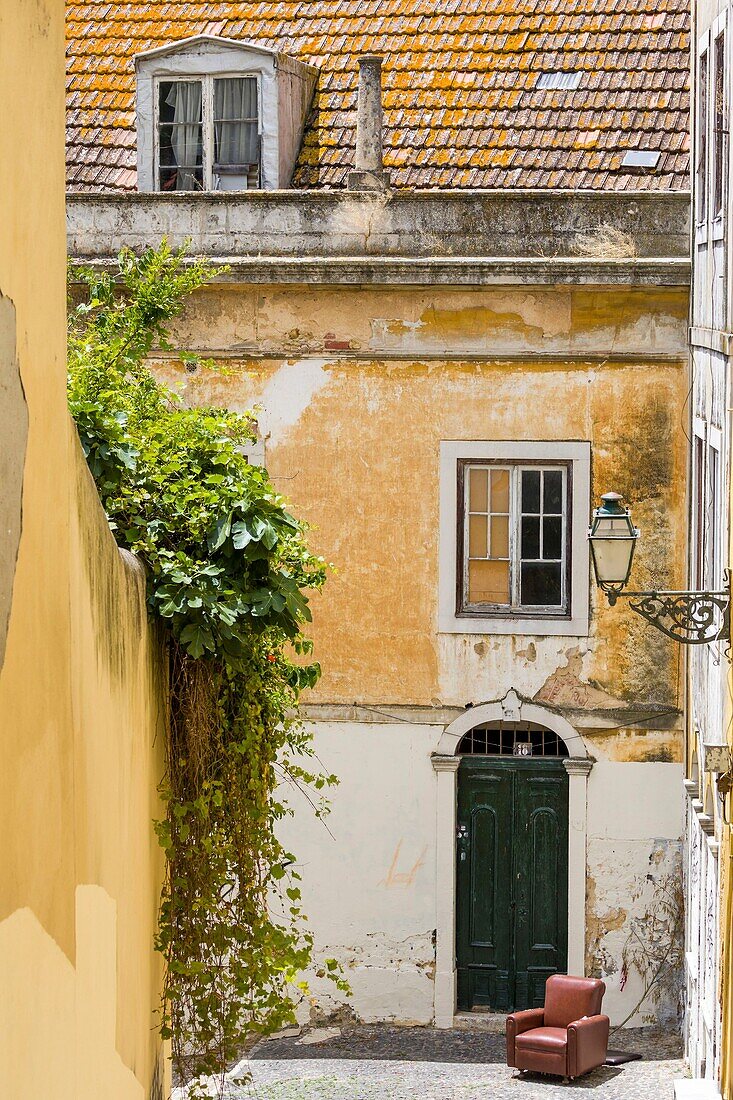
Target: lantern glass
column 612, row 538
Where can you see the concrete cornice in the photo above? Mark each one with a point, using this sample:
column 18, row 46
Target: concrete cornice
column 591, row 722
column 469, row 238
column 446, row 270
column 578, row 766
column 443, row 763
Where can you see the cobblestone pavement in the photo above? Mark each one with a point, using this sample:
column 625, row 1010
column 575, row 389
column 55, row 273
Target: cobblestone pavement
column 387, row 1063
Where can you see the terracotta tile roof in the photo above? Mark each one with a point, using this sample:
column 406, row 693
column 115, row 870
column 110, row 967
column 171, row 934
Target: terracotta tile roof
column 462, row 108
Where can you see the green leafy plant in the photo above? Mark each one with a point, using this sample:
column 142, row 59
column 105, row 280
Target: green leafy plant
column 228, row 575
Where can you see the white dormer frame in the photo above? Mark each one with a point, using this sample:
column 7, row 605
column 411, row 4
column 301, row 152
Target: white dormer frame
column 206, row 57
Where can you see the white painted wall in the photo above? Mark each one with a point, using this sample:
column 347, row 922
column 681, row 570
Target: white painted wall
column 370, row 890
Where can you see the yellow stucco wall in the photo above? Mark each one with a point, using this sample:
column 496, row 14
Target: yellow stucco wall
column 81, row 675
column 357, row 388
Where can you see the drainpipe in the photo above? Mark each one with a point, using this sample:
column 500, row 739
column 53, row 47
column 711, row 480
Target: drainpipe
column 369, row 174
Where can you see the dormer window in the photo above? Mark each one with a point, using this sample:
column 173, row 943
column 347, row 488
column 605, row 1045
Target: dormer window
column 216, row 114
column 208, row 134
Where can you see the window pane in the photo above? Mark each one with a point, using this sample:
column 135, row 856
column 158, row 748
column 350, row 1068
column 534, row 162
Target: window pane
column 552, row 537
column 541, row 584
column 499, row 490
column 236, row 141
column 180, row 148
column 702, row 139
column 552, row 492
column 478, row 490
column 488, row 582
column 530, row 536
column 719, row 134
column 500, row 536
column 477, row 527
column 531, row 491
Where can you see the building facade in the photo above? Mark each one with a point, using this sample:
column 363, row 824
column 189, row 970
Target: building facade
column 707, row 947
column 462, row 322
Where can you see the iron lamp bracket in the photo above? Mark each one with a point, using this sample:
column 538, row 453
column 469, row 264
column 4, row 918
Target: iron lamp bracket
column 693, row 618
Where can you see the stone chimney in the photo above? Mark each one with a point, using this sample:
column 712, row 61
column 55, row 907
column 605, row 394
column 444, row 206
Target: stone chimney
column 369, row 174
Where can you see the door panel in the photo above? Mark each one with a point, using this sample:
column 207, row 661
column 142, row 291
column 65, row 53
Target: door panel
column 541, row 880
column 484, row 857
column 511, row 921
column 484, row 883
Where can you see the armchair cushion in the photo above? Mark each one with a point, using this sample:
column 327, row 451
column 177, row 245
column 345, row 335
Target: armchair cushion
column 553, row 1039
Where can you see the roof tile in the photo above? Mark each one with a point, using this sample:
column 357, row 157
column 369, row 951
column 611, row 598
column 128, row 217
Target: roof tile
column 461, row 104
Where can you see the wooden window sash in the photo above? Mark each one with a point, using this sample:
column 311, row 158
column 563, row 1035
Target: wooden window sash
column 515, row 608
column 207, row 120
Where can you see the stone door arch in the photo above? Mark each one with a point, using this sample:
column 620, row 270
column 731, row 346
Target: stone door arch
column 512, row 708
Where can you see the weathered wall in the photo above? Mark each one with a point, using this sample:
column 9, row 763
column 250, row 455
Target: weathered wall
column 369, row 881
column 81, row 700
column 357, row 389
column 422, row 224
column 369, row 331
column 708, row 1001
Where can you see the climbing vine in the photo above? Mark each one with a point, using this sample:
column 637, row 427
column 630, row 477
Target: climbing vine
column 228, row 575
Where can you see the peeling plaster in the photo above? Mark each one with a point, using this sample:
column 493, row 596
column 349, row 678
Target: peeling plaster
column 381, row 971
column 628, row 924
column 473, row 669
column 568, row 687
column 288, row 394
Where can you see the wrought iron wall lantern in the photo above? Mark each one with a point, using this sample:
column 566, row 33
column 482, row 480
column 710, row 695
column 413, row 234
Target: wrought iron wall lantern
column 690, row 617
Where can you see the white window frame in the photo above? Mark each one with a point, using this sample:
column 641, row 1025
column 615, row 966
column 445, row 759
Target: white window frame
column 207, row 114
column 713, row 511
column 515, row 607
column 717, row 222
column 698, row 491
column 701, row 224
column 574, row 622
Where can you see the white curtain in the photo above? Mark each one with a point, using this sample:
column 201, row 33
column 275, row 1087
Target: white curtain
column 235, row 121
column 185, row 99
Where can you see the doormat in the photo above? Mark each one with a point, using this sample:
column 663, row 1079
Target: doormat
column 618, row 1057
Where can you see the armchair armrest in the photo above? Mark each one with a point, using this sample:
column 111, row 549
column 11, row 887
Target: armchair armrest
column 518, row 1023
column 587, row 1044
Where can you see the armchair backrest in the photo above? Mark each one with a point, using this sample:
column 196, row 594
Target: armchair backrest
column 568, row 999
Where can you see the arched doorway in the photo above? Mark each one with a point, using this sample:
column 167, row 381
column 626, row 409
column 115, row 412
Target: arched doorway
column 512, row 708
column 511, row 864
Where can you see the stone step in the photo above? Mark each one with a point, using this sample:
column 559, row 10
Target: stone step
column 480, row 1021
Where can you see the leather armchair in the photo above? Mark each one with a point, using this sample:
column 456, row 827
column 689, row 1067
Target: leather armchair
column 568, row 1037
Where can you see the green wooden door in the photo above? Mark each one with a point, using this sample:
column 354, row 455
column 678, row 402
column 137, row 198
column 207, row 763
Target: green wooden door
column 512, row 879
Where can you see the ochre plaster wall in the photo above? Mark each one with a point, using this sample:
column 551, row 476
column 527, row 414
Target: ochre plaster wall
column 81, row 679
column 358, row 386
